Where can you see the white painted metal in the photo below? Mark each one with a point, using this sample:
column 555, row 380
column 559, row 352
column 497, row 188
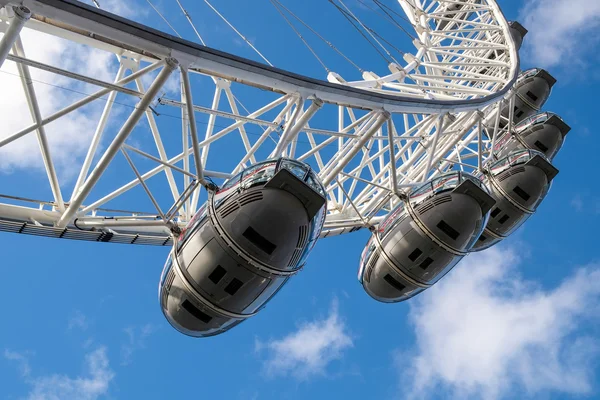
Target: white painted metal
column 170, row 65
column 20, row 15
column 430, row 109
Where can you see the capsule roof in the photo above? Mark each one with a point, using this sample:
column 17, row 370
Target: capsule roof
column 543, row 118
column 301, row 170
column 516, row 25
column 526, row 156
column 448, row 182
column 517, row 32
column 537, row 72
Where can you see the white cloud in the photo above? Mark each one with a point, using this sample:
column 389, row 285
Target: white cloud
column 79, row 321
column 307, row 351
column 22, row 359
column 122, row 8
column 70, row 135
column 485, row 331
column 89, row 386
column 577, row 203
column 136, row 340
column 560, row 31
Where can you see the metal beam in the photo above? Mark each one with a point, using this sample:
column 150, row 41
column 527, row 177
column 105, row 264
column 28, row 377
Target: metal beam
column 296, row 125
column 381, row 118
column 78, row 104
column 114, row 147
column 21, row 15
column 189, row 101
column 98, row 134
column 34, row 108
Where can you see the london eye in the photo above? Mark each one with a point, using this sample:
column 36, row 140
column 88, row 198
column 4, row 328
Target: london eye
column 443, row 151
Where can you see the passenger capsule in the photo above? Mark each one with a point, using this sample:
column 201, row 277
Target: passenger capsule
column 518, row 183
column 242, row 246
column 517, row 32
column 544, row 132
column 532, row 89
column 424, row 237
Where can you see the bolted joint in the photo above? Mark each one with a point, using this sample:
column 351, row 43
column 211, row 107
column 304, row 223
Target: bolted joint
column 211, row 186
column 174, row 228
column 171, row 63
column 22, row 12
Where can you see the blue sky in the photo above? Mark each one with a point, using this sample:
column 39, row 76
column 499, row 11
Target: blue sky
column 82, row 320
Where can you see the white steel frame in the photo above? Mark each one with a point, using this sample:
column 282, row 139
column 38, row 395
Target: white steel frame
column 394, row 130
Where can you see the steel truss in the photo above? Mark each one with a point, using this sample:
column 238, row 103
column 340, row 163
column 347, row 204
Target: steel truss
column 374, row 138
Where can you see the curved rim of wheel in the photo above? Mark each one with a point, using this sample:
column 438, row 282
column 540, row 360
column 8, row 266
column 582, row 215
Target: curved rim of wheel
column 405, row 127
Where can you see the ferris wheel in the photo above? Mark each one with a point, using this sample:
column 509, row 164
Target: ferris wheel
column 443, row 153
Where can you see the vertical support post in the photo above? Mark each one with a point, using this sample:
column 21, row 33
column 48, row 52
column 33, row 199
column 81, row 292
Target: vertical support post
column 431, row 150
column 211, row 121
column 122, row 135
column 496, row 125
column 391, row 144
column 193, row 129
column 511, row 113
column 22, row 14
column 479, row 146
column 340, row 145
column 383, row 116
column 186, row 147
column 98, row 134
column 34, row 108
column 158, row 142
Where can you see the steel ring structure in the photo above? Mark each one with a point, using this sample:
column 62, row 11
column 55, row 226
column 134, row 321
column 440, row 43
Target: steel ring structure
column 363, row 145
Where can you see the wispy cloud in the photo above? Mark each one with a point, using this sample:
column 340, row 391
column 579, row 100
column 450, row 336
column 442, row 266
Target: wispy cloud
column 486, row 331
column 22, row 359
column 560, row 31
column 68, row 137
column 136, row 340
column 88, row 386
column 122, row 8
column 310, row 349
column 577, row 203
column 78, row 321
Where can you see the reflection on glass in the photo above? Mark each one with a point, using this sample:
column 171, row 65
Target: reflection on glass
column 192, row 226
column 528, row 73
column 297, row 169
column 257, row 174
column 230, row 183
column 314, row 183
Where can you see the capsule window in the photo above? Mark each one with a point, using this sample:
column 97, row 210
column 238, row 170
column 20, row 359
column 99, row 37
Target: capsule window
column 495, row 213
column 521, row 193
column 259, row 240
column 233, row 286
column 192, row 309
column 393, row 282
column 426, row 263
column 415, row 254
column 520, row 113
column 531, row 95
column 482, row 238
column 543, row 148
column 217, row 274
column 448, row 230
column 504, row 219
